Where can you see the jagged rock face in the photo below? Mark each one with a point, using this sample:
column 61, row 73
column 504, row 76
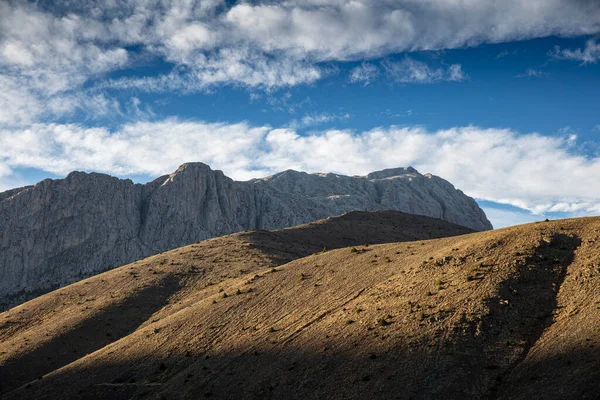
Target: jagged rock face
column 60, row 231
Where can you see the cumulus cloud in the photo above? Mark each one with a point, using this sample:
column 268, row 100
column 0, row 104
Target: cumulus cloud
column 529, row 171
column 137, row 148
column 589, row 54
column 374, row 28
column 44, row 58
column 49, row 49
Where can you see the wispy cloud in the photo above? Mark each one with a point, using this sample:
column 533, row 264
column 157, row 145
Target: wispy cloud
column 506, row 53
column 364, row 73
column 502, row 54
column 587, row 55
column 283, row 102
column 239, row 67
column 407, row 70
column 315, row 119
column 531, row 73
column 412, row 71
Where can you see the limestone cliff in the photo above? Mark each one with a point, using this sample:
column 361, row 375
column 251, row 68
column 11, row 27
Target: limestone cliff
column 60, row 231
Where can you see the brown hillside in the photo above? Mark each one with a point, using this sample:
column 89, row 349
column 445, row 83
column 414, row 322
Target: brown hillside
column 60, row 327
column 513, row 313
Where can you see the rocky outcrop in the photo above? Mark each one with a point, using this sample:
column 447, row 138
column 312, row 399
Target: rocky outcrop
column 60, row 231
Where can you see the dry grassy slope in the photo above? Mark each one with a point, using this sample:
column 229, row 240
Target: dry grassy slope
column 58, row 328
column 513, row 313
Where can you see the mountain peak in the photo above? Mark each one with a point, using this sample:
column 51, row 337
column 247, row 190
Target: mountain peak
column 392, row 172
column 189, row 171
column 192, row 166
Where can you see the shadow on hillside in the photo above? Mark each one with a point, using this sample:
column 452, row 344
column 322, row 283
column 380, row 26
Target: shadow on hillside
column 295, row 373
column 351, row 229
column 517, row 317
column 93, row 333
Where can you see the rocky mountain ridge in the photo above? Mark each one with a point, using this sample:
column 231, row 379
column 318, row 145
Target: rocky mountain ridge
column 59, row 231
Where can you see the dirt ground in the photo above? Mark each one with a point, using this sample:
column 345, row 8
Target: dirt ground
column 323, row 311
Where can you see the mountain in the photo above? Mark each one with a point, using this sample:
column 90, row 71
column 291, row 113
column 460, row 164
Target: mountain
column 60, row 231
column 504, row 314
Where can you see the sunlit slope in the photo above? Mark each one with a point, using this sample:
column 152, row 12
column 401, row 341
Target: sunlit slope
column 513, row 313
column 65, row 325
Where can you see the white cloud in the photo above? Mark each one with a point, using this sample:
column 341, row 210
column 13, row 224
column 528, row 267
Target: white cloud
column 17, row 104
column 413, row 71
column 138, row 148
column 529, row 171
column 52, row 49
column 455, row 73
column 240, row 67
column 285, row 102
column 364, row 73
column 590, row 54
column 44, row 59
column 314, row 119
column 374, row 28
column 531, row 73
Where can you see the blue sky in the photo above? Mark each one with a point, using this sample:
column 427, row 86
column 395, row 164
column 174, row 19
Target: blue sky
column 499, row 99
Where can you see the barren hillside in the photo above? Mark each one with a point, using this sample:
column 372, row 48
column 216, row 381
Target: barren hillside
column 512, row 313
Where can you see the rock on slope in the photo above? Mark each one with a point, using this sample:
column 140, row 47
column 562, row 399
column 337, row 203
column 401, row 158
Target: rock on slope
column 59, row 231
column 506, row 314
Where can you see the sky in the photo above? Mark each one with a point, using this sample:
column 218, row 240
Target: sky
column 499, row 98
